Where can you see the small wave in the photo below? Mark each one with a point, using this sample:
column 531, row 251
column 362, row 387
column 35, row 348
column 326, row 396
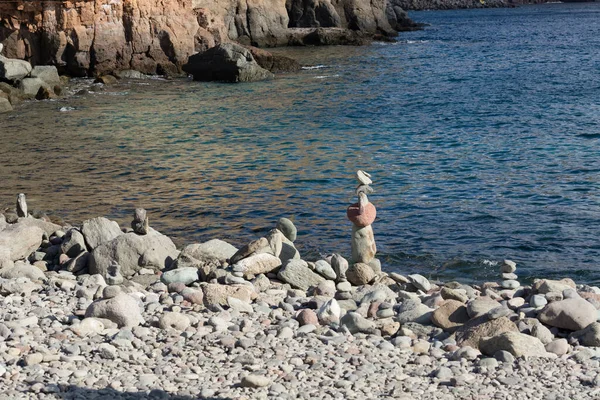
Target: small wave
column 66, row 109
column 490, row 263
column 326, row 76
column 311, row 67
column 414, row 41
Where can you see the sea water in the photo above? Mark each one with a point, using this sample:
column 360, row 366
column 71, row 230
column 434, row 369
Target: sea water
column 481, row 132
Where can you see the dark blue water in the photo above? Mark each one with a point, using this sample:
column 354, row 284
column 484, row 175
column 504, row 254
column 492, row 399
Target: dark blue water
column 482, row 133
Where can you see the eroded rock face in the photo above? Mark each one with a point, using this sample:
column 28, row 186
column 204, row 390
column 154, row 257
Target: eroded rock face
column 157, row 36
column 93, row 37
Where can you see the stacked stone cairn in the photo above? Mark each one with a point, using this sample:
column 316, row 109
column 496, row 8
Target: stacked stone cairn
column 362, row 215
column 509, row 278
column 96, row 305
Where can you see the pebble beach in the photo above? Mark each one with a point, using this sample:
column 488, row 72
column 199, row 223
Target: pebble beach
column 100, row 311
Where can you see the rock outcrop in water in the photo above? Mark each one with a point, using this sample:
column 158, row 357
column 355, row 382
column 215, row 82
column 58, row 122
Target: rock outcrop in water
column 151, row 36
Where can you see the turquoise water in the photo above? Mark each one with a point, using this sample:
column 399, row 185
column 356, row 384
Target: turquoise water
column 481, row 133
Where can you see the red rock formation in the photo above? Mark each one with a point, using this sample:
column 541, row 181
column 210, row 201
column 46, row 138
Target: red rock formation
column 151, row 36
column 95, row 37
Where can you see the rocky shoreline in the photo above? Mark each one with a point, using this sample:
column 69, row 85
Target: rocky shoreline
column 101, row 311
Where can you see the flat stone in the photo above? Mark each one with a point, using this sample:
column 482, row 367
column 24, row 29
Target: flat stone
column 297, row 274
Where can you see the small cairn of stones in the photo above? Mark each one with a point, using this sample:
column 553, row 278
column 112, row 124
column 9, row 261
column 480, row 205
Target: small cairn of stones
column 140, row 224
column 362, row 214
column 21, row 205
column 509, row 278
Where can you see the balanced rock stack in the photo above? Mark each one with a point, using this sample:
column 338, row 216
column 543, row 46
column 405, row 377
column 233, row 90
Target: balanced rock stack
column 509, row 278
column 362, row 214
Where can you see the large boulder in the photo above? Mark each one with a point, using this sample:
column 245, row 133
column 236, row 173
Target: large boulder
column 227, row 62
column 451, row 315
column 471, row 333
column 589, row 336
column 20, row 240
column 206, row 257
column 133, row 252
column 13, row 69
column 99, row 230
column 518, row 344
column 5, row 105
column 571, row 314
column 216, row 294
column 257, row 264
column 22, row 270
column 48, row 227
column 297, row 274
column 46, row 73
column 544, row 286
column 122, row 309
column 31, row 86
column 274, row 62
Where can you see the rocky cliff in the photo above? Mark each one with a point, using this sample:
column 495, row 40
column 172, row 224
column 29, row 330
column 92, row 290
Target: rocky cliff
column 158, row 36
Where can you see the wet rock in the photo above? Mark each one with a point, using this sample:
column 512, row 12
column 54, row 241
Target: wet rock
column 227, row 62
column 13, row 69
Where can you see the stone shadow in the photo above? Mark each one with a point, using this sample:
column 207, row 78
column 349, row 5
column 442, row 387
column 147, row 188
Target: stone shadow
column 81, row 393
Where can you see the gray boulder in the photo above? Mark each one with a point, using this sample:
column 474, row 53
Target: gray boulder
column 99, row 230
column 185, row 275
column 20, row 240
column 228, row 62
column 589, row 336
column 357, row 323
column 31, row 86
column 257, row 264
column 5, row 105
column 297, row 274
column 133, row 252
column 48, row 227
column 518, row 344
column 13, row 70
column 572, row 314
column 206, row 257
column 122, row 309
column 46, row 73
column 73, row 243
column 22, row 270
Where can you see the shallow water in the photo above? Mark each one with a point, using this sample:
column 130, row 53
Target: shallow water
column 481, row 133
